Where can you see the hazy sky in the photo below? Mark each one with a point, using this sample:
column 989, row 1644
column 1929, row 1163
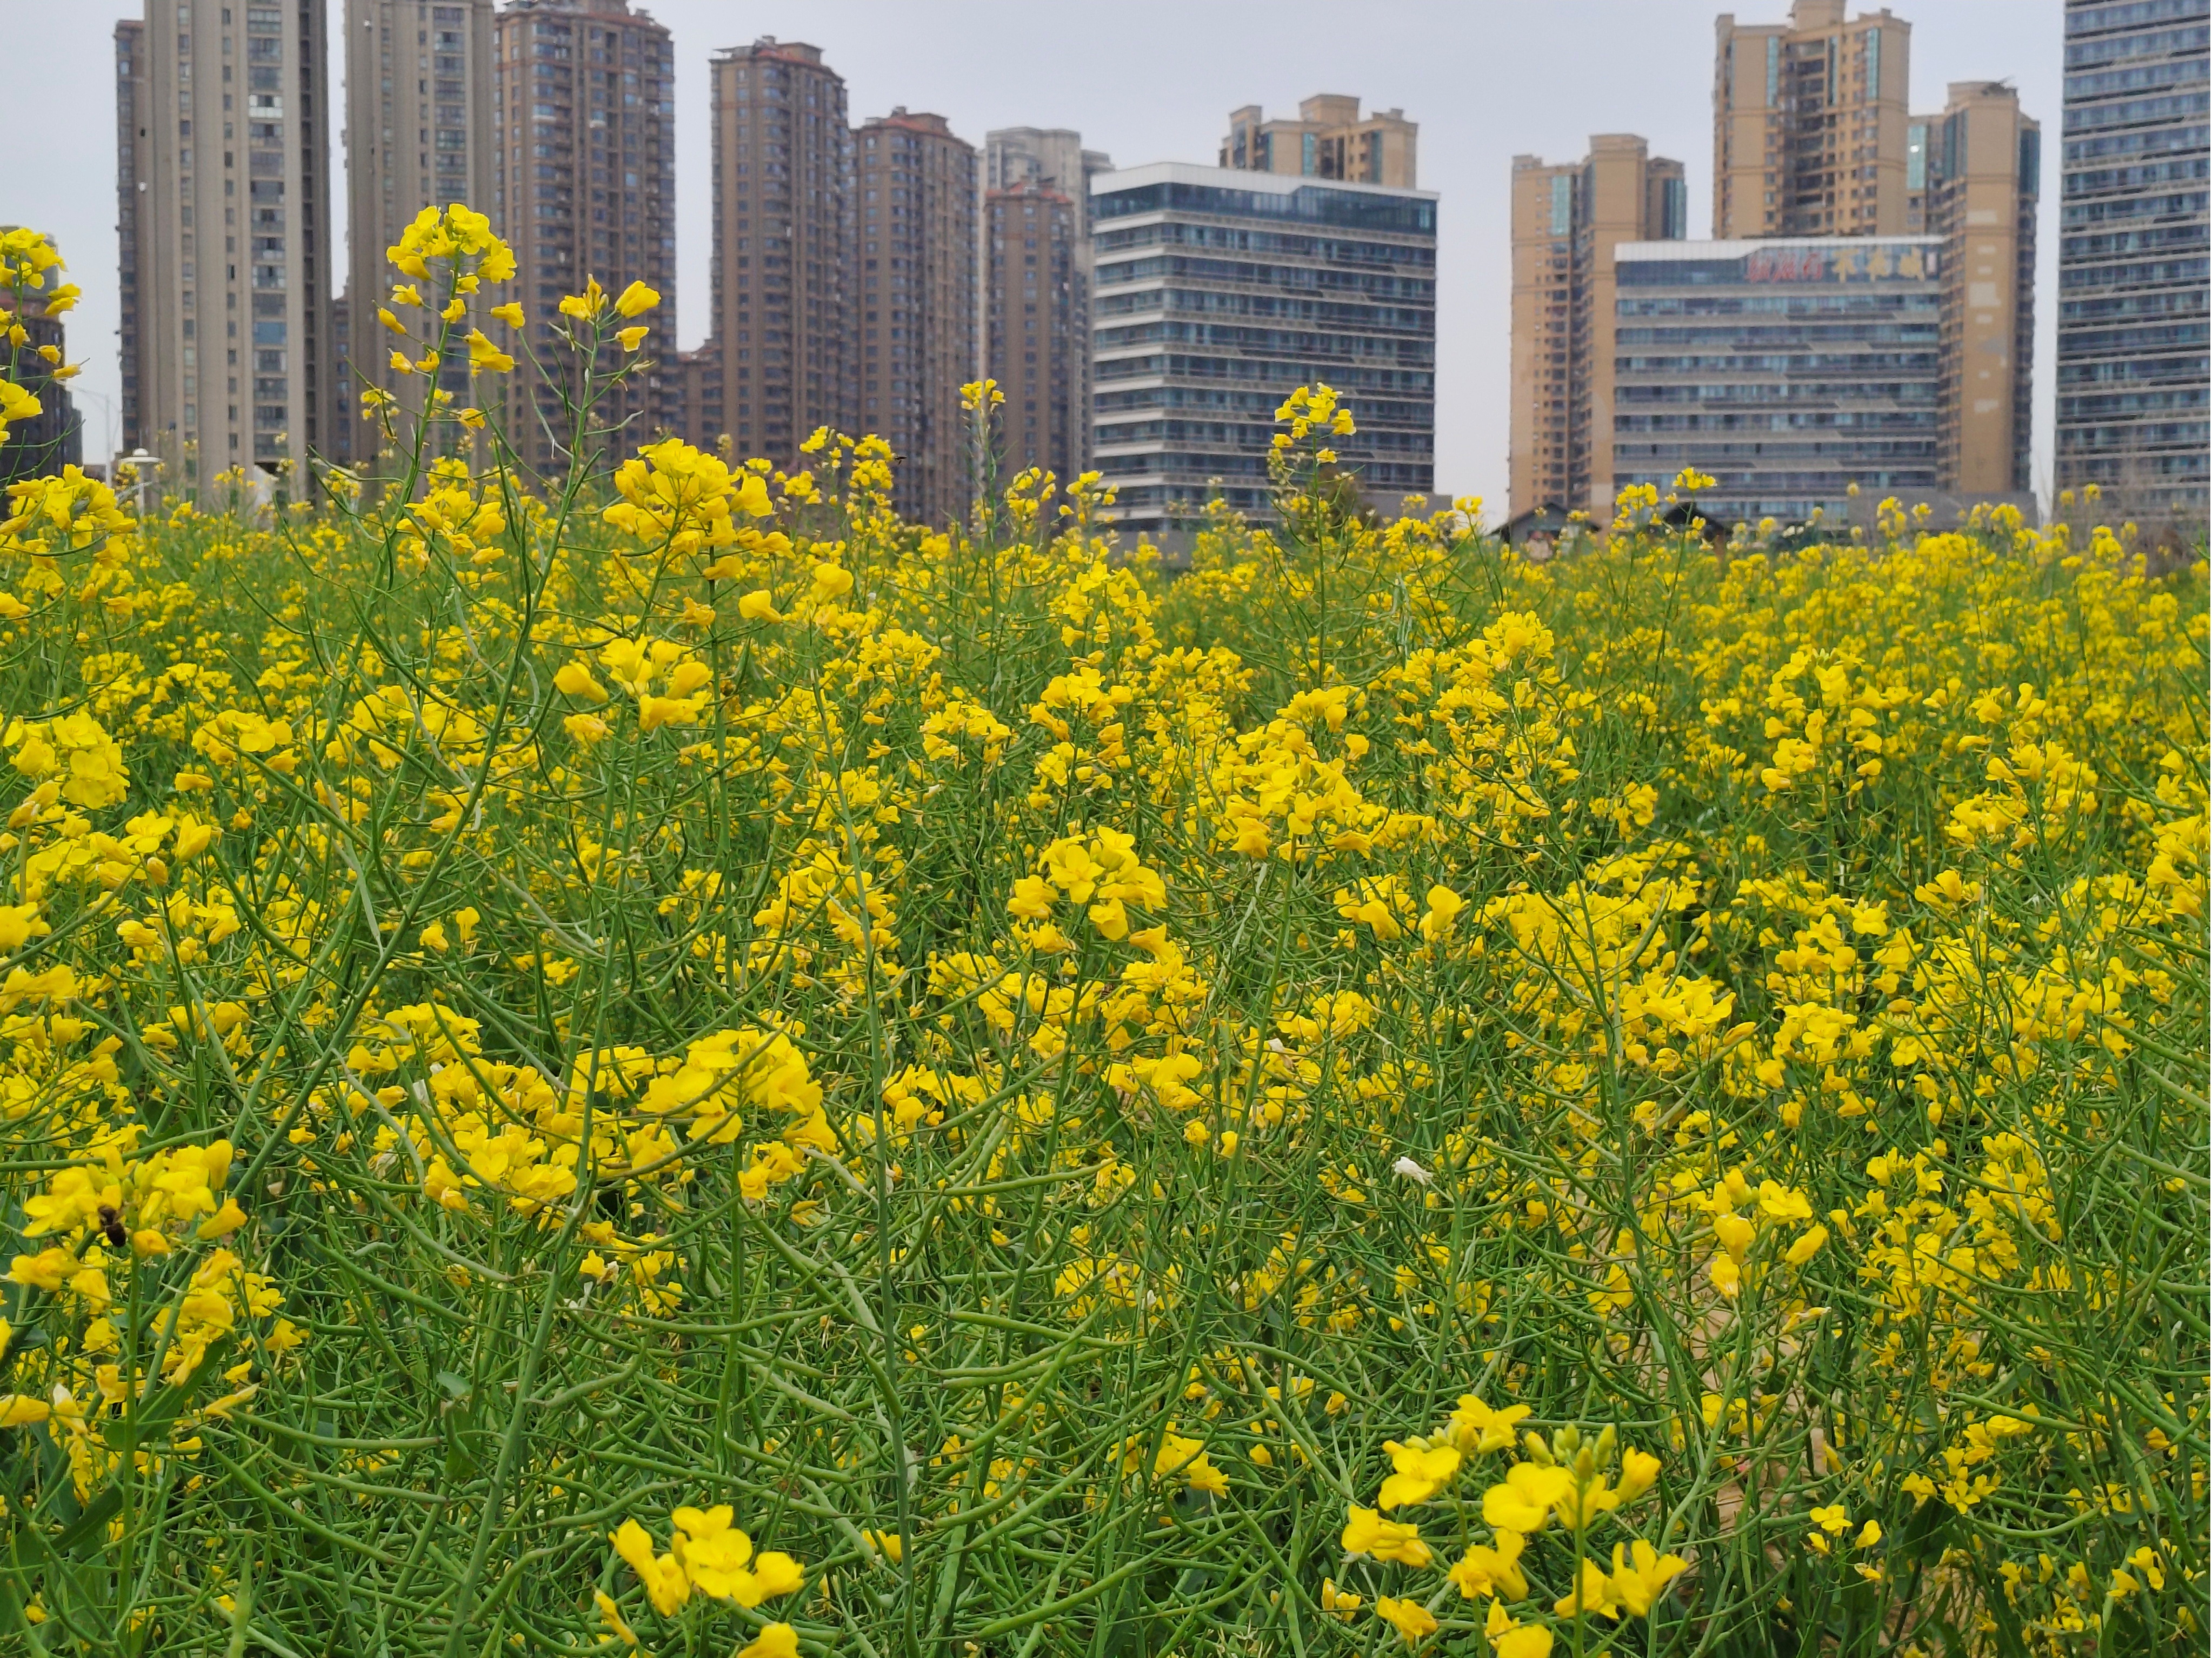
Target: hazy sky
column 1144, row 81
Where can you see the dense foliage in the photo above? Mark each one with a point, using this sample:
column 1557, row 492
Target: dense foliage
column 668, row 1061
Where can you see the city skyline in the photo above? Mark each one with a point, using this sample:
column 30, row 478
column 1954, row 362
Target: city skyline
column 1653, row 76
column 1906, row 365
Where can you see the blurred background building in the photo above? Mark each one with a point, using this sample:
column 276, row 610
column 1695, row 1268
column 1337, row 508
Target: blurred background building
column 419, row 126
column 1034, row 322
column 1788, row 369
column 583, row 186
column 1330, row 139
column 1036, row 314
column 1810, row 125
column 54, row 437
column 783, row 275
column 914, row 182
column 1567, row 222
column 1984, row 175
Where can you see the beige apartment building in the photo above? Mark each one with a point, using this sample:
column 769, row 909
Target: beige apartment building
column 419, row 112
column 1329, row 140
column 914, row 211
column 223, row 186
column 1567, row 221
column 1036, row 341
column 782, row 259
column 583, row 186
column 1982, row 199
column 1013, row 156
column 1809, row 125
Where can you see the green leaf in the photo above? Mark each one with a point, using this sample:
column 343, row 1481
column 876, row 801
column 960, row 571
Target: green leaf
column 87, row 1526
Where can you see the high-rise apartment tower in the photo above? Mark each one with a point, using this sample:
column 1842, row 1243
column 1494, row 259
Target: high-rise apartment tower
column 226, row 233
column 2134, row 376
column 1329, row 140
column 1219, row 292
column 584, row 186
column 1809, row 124
column 1567, row 220
column 1926, row 386
column 1054, row 159
column 1034, row 343
column 418, row 133
column 134, row 148
column 1863, row 315
column 698, row 378
column 1013, row 156
column 915, row 220
column 1983, row 178
column 782, row 259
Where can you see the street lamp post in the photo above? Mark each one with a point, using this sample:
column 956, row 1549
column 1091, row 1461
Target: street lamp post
column 143, row 466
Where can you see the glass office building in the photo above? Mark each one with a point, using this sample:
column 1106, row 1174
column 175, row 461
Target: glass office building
column 2132, row 256
column 1217, row 293
column 1788, row 369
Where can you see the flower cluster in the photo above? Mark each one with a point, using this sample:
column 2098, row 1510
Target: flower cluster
column 1563, row 1478
column 709, row 1557
column 525, row 999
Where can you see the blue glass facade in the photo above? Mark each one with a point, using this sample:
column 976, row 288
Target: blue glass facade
column 2133, row 374
column 1212, row 300
column 1789, row 370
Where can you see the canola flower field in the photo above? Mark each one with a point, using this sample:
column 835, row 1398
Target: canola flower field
column 663, row 1061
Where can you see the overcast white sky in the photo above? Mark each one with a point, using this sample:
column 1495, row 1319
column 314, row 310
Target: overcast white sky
column 1144, row 81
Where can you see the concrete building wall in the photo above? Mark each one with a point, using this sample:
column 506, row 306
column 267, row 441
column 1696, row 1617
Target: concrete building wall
column 227, row 298
column 1809, row 124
